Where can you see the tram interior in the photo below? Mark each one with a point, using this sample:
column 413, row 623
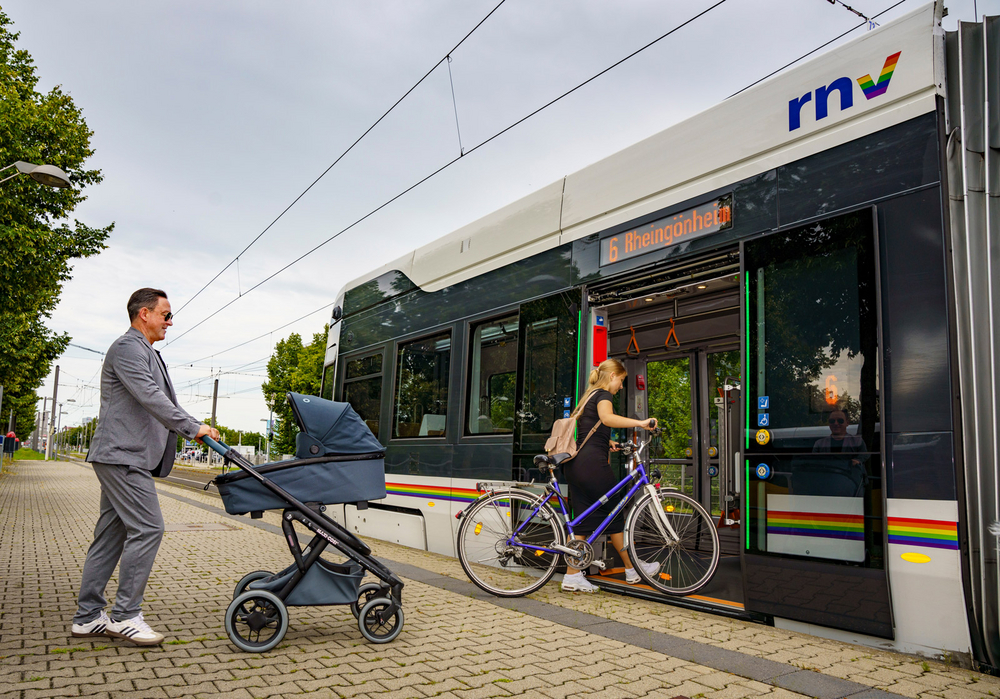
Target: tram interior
column 679, row 337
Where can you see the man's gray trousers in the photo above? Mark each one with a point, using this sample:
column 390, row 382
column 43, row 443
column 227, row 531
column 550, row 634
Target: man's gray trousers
column 129, row 530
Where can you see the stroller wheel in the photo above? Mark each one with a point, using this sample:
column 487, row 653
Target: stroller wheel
column 366, row 593
column 376, row 630
column 241, row 586
column 256, row 621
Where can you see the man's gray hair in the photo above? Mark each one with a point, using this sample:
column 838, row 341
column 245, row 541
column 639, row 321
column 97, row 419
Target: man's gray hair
column 144, row 298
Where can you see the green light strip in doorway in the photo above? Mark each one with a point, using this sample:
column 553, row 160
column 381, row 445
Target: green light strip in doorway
column 746, row 370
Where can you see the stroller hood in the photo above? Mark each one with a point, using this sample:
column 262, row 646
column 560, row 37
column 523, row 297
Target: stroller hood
column 327, row 427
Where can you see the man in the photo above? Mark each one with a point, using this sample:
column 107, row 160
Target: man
column 135, row 440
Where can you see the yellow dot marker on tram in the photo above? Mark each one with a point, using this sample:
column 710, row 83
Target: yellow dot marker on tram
column 913, row 557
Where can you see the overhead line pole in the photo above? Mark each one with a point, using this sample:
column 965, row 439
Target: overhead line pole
column 52, row 419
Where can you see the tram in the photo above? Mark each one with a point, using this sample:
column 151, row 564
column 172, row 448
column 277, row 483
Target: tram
column 802, row 284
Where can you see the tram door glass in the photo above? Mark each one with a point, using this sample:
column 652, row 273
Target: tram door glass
column 682, row 401
column 812, row 441
column 546, row 373
column 670, row 399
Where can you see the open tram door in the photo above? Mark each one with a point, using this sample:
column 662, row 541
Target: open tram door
column 815, row 533
column 678, row 334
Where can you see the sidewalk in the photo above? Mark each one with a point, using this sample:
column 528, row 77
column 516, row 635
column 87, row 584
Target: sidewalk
column 456, row 642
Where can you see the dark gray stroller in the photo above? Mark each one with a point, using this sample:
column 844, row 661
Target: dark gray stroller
column 337, row 460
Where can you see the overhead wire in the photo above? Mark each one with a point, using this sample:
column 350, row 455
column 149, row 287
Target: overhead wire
column 395, row 104
column 821, row 46
column 450, row 163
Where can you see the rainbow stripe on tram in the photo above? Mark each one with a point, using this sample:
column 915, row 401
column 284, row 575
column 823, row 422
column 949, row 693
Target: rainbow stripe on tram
column 431, row 492
column 873, row 89
column 923, row 532
column 819, row 524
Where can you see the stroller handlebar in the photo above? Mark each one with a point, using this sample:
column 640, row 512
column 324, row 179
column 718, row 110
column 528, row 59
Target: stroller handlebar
column 218, row 447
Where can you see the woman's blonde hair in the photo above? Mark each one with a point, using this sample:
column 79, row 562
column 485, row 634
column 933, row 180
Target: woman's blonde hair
column 600, row 378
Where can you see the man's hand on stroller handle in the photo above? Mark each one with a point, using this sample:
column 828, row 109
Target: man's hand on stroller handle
column 207, row 430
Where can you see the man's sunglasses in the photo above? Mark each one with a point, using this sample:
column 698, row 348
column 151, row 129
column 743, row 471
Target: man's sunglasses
column 168, row 315
column 837, row 421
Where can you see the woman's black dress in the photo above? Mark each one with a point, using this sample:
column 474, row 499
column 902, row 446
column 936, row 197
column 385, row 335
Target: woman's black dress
column 589, row 474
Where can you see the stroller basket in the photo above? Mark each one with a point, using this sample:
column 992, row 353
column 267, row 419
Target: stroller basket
column 327, row 479
column 324, row 583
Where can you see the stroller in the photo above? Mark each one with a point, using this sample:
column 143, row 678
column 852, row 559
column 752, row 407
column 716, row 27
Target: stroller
column 337, row 460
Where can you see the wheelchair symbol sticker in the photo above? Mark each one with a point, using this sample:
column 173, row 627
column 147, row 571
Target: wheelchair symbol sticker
column 763, row 471
column 566, row 413
column 764, row 420
column 763, row 403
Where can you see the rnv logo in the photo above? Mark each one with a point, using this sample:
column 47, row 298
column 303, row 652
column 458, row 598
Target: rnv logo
column 845, row 86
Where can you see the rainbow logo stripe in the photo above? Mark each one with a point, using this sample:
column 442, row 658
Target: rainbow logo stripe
column 873, row 89
column 931, row 533
column 819, row 524
column 431, row 492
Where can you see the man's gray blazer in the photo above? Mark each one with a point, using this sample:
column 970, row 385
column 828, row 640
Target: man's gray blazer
column 140, row 419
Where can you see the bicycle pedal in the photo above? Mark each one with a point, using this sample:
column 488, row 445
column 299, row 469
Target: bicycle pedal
column 600, row 565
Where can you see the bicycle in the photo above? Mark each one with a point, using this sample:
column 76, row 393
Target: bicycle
column 510, row 539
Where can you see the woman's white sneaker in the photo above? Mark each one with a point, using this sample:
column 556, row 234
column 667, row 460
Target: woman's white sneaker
column 577, row 582
column 649, row 568
column 97, row 627
column 136, row 631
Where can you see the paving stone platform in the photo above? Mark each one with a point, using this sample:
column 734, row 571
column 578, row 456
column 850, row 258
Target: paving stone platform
column 456, row 641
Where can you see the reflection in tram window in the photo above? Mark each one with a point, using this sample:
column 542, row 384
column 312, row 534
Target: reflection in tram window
column 492, row 373
column 421, row 400
column 812, row 351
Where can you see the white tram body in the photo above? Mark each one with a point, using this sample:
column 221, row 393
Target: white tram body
column 903, row 121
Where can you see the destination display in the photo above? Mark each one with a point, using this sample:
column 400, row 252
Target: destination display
column 683, row 226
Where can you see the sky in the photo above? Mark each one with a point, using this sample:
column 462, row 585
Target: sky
column 211, row 118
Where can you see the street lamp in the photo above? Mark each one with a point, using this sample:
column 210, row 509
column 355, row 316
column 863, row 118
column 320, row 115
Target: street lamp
column 46, row 174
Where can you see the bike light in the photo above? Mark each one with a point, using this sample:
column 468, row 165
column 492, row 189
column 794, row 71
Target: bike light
column 479, row 528
column 665, row 576
column 669, row 508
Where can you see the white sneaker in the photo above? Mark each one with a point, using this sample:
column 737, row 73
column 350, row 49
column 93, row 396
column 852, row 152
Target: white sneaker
column 97, row 627
column 577, row 583
column 649, row 568
column 135, row 630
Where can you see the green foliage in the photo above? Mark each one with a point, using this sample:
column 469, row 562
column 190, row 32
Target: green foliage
column 297, row 368
column 37, row 242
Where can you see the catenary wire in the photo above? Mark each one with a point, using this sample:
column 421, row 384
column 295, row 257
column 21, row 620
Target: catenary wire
column 447, row 57
column 821, row 46
column 450, row 163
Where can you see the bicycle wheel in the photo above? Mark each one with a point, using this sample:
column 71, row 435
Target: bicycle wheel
column 675, row 566
column 494, row 559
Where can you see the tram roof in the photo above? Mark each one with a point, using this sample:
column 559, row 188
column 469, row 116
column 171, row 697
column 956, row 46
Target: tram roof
column 686, row 159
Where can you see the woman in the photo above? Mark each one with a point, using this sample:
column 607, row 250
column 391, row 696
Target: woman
column 589, row 474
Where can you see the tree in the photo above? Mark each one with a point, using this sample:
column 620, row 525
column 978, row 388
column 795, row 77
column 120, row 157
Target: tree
column 296, row 368
column 37, row 242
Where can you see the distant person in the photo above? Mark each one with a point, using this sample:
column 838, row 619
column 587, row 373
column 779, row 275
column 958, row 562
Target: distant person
column 840, row 474
column 135, row 441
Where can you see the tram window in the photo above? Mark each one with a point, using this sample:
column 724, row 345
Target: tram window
column 327, row 390
column 492, row 376
column 363, row 388
column 421, row 396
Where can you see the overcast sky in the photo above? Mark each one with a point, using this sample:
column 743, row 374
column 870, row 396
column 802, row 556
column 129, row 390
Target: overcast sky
column 211, row 117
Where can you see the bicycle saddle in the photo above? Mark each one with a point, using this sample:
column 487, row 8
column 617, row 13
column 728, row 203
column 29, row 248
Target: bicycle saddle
column 545, row 462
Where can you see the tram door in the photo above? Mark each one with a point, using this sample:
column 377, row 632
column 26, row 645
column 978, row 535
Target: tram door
column 695, row 453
